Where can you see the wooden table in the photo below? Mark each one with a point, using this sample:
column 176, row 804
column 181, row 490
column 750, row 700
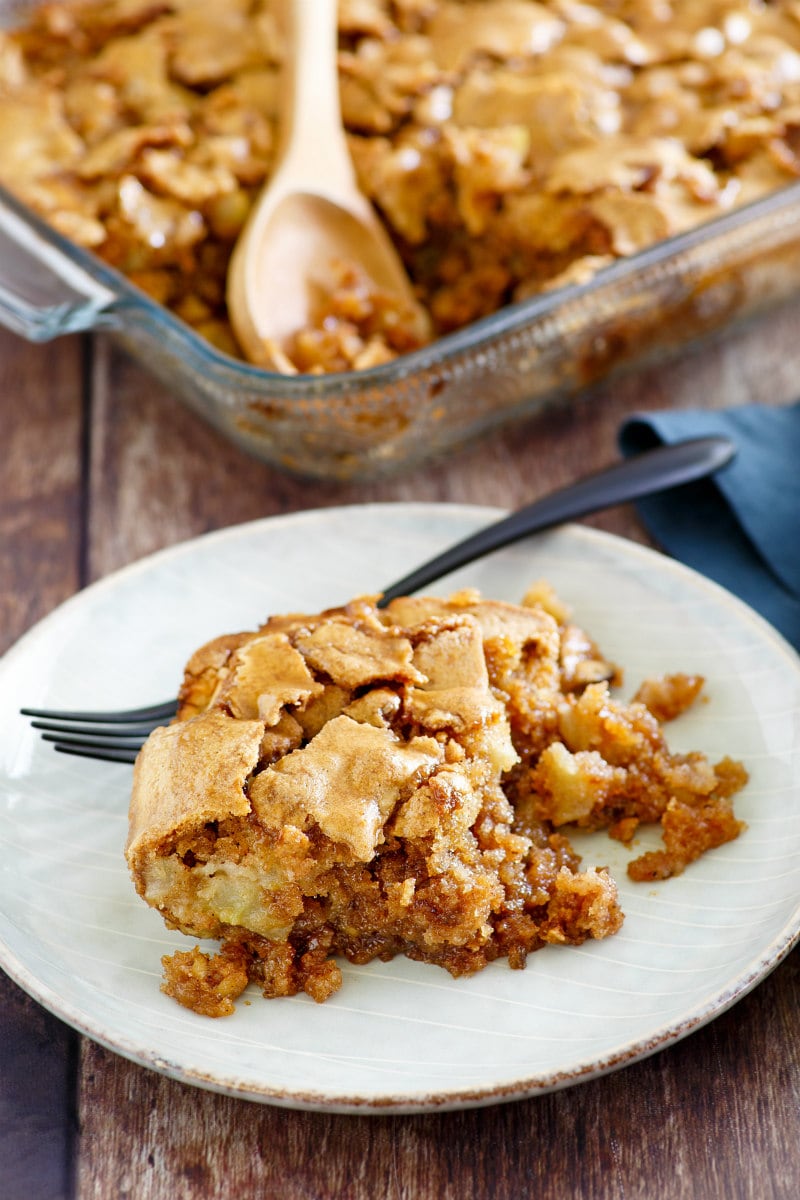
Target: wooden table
column 99, row 467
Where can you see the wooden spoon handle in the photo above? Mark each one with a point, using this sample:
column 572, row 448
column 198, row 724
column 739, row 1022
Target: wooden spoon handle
column 313, row 147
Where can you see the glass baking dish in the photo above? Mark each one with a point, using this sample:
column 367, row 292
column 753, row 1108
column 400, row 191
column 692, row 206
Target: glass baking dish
column 358, row 425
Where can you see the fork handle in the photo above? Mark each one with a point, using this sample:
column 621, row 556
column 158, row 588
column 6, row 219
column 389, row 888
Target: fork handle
column 647, row 473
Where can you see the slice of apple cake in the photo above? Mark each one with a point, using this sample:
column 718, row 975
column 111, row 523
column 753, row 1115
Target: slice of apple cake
column 364, row 783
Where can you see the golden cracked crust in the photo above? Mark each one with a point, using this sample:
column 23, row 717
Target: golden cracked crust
column 347, row 781
column 192, row 773
column 369, row 783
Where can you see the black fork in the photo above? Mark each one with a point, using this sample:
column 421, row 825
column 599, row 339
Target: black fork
column 118, row 736
column 112, row 736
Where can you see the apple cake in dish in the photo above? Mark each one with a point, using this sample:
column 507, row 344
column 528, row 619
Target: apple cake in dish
column 510, row 147
column 365, row 782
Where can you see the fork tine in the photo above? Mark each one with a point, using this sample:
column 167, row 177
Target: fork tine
column 155, row 712
column 106, row 753
column 93, row 731
column 107, row 741
column 110, row 736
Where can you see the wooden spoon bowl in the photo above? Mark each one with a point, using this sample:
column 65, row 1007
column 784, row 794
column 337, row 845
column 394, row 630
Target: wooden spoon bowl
column 311, row 220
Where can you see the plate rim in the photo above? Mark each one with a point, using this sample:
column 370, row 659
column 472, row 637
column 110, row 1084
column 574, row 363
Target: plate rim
column 408, row 1100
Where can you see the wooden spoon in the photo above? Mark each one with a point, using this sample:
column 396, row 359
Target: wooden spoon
column 311, row 217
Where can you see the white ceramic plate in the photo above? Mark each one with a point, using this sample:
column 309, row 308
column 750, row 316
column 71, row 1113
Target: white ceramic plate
column 399, row 1036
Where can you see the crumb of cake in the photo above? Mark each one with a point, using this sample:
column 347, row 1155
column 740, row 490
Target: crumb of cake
column 542, row 594
column 689, row 828
column 669, row 695
column 207, row 984
column 364, row 783
column 624, row 830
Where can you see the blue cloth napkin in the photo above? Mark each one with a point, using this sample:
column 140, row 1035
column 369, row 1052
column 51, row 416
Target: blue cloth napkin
column 741, row 528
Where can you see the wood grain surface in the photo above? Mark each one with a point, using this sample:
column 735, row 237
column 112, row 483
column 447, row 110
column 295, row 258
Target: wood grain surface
column 100, row 467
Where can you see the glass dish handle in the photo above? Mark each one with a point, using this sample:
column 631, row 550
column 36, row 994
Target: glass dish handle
column 43, row 292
